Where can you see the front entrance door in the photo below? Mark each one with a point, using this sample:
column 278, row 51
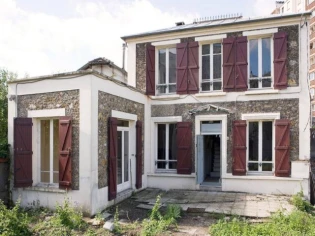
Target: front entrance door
column 123, row 161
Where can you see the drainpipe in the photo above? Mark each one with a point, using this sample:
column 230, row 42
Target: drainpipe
column 123, row 60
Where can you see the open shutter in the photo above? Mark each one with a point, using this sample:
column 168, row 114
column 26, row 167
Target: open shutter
column 193, row 67
column 282, row 148
column 150, row 69
column 182, row 68
column 65, row 152
column 241, row 64
column 139, row 154
column 280, row 59
column 239, row 147
column 229, row 48
column 112, row 158
column 184, row 150
column 23, row 152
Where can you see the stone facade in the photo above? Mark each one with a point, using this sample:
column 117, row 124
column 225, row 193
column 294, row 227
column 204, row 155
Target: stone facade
column 288, row 108
column 141, row 66
column 63, row 99
column 107, row 103
column 187, row 40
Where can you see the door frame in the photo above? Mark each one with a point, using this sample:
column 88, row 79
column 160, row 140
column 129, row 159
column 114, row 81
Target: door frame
column 124, row 185
column 224, row 138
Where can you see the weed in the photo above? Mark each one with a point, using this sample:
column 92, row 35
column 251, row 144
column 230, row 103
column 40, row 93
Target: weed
column 301, row 205
column 117, row 227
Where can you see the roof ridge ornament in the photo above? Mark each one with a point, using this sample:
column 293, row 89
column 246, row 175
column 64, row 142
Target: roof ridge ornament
column 208, row 108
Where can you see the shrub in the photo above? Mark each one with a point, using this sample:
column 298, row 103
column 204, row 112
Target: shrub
column 300, row 204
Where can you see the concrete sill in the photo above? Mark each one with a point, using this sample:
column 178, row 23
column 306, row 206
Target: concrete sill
column 163, row 174
column 45, row 189
column 171, row 96
column 257, row 92
column 214, row 94
column 261, row 177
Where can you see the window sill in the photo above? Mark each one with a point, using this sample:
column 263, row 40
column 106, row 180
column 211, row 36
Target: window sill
column 47, row 188
column 214, row 94
column 260, row 177
column 267, row 91
column 168, row 174
column 168, row 96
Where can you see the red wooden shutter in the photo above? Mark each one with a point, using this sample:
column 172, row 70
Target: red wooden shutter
column 229, row 50
column 23, row 152
column 193, row 67
column 280, row 59
column 239, row 147
column 282, row 148
column 241, row 64
column 150, row 69
column 184, row 150
column 139, row 154
column 182, row 68
column 65, row 152
column 112, row 158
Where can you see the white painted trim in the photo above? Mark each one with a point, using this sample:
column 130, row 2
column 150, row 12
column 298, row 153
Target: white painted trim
column 211, row 37
column 165, row 43
column 124, row 115
column 171, row 175
column 260, row 177
column 260, row 32
column 165, row 96
column 166, row 119
column 46, row 113
column 267, row 91
column 214, row 94
column 261, row 116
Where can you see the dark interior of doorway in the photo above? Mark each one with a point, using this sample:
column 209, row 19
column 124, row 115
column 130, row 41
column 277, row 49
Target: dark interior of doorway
column 212, row 158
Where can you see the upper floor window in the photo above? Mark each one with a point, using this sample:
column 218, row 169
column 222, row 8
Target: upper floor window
column 260, row 63
column 211, row 72
column 166, row 82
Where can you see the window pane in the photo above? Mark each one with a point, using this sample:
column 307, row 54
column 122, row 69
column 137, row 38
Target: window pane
column 206, row 67
column 119, row 157
column 266, row 57
column 56, row 151
column 162, row 66
column 172, row 165
column 253, row 57
column 56, row 178
column 217, row 66
column 126, row 156
column 172, row 65
column 172, row 88
column 266, row 83
column 253, row 166
column 217, row 85
column 161, row 141
column 217, row 48
column 266, row 167
column 162, row 89
column 253, row 141
column 172, row 142
column 161, row 165
column 45, row 150
column 267, row 141
column 205, row 86
column 253, row 83
column 205, row 49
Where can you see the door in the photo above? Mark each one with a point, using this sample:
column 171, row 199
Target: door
column 123, row 160
column 200, row 159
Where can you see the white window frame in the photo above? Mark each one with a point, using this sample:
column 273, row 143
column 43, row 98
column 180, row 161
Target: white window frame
column 211, row 80
column 157, row 48
column 260, row 37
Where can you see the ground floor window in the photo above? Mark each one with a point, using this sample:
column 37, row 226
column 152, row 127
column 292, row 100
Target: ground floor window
column 166, row 147
column 49, row 151
column 260, row 146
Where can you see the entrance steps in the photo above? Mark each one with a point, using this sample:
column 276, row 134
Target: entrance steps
column 209, row 187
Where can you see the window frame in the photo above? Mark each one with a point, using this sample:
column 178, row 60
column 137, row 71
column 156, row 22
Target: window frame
column 167, row 84
column 260, row 78
column 211, row 80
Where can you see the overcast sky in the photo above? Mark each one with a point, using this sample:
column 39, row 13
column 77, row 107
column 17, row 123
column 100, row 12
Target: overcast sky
column 40, row 37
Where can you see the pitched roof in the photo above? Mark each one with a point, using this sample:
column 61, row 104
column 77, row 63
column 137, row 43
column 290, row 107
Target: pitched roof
column 101, row 61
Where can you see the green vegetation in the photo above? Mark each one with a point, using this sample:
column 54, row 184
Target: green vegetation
column 300, row 222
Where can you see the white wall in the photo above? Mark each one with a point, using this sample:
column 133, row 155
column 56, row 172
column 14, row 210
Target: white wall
column 111, row 72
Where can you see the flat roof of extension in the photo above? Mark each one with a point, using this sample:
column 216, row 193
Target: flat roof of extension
column 214, row 23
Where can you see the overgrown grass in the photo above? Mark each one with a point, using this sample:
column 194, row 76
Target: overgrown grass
column 300, row 222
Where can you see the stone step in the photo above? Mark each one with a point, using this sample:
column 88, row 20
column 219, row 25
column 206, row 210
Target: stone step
column 210, row 188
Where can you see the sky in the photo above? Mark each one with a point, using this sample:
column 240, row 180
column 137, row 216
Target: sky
column 40, row 37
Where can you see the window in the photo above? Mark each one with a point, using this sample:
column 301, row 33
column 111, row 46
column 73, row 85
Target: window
column 49, row 151
column 260, row 63
column 166, row 71
column 211, row 72
column 166, row 147
column 260, row 146
column 282, row 9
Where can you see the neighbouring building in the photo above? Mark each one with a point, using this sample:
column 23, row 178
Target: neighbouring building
column 221, row 104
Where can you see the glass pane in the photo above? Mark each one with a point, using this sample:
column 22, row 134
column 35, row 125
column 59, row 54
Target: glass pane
column 119, row 157
column 56, row 178
column 162, row 66
column 253, row 141
column 266, row 167
column 266, row 57
column 253, row 55
column 172, row 165
column 161, row 141
column 205, row 67
column 267, row 141
column 253, row 166
column 172, row 88
column 172, row 65
column 172, row 154
column 253, row 83
column 205, row 49
column 205, row 86
column 217, row 66
column 161, row 165
column 162, row 89
column 126, row 156
column 217, row 85
column 216, row 48
column 266, row 83
column 56, row 146
column 45, row 150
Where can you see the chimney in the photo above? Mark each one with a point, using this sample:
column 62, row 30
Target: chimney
column 124, row 52
column 279, row 4
column 180, row 23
